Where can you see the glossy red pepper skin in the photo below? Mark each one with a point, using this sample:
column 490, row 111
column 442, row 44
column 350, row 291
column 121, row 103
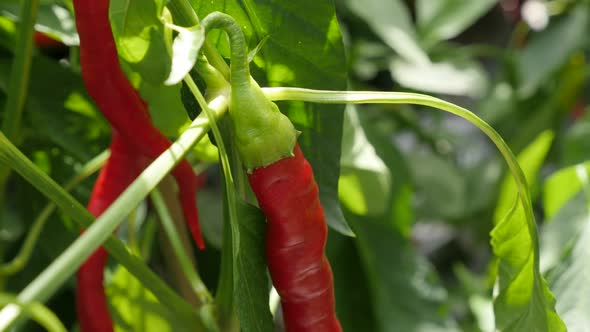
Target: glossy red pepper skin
column 120, row 103
column 121, row 169
column 295, row 242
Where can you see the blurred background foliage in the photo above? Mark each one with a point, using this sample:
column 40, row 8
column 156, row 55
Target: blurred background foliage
column 420, row 189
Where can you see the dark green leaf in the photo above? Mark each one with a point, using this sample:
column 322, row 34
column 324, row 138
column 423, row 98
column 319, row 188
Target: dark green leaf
column 251, row 283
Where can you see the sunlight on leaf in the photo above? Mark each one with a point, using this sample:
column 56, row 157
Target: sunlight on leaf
column 522, row 300
column 185, row 49
column 365, row 180
column 560, row 187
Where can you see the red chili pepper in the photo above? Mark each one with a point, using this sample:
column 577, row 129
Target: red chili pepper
column 283, row 182
column 44, row 41
column 120, row 170
column 121, row 104
column 295, row 241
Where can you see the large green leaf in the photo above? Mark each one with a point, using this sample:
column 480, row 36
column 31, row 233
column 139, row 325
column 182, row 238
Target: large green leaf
column 523, row 301
column 549, row 50
column 391, row 20
column 303, row 48
column 405, row 290
column 445, row 19
column 139, row 33
column 570, row 278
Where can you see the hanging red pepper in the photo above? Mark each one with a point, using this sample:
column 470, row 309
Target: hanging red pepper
column 121, row 104
column 287, row 193
column 120, row 170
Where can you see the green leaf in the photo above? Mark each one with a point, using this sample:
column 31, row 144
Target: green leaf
column 549, row 50
column 576, row 143
column 445, row 19
column 452, row 77
column 365, row 181
column 139, row 34
column 570, row 279
column 560, row 187
column 166, row 109
column 251, row 283
column 530, row 159
column 392, row 22
column 185, row 49
column 52, row 19
column 405, row 290
column 135, row 308
column 523, row 301
column 304, row 48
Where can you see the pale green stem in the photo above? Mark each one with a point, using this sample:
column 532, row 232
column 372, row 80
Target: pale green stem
column 374, row 97
column 20, row 260
column 40, row 313
column 53, row 277
column 176, row 243
column 224, row 303
column 19, row 80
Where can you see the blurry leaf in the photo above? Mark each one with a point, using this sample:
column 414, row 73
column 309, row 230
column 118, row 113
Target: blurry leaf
column 185, row 49
column 309, row 30
column 570, row 279
column 561, row 231
column 405, row 289
column 560, row 187
column 451, row 77
column 165, row 107
column 530, row 159
column 52, row 19
column 445, row 19
column 550, row 49
column 365, row 180
column 523, row 301
column 440, row 187
column 139, row 34
column 576, row 143
column 392, row 22
column 251, row 284
column 136, row 309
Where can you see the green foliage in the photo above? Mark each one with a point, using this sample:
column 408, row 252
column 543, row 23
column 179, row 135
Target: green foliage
column 396, row 170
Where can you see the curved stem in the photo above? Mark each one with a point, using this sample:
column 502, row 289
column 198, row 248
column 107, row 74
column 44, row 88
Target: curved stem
column 374, row 97
column 40, row 313
column 239, row 67
column 20, row 260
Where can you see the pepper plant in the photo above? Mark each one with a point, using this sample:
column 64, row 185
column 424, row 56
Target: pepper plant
column 334, row 193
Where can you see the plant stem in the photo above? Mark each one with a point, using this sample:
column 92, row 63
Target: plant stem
column 225, row 303
column 40, row 313
column 374, row 97
column 100, row 231
column 176, row 243
column 21, row 68
column 19, row 80
column 20, row 260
